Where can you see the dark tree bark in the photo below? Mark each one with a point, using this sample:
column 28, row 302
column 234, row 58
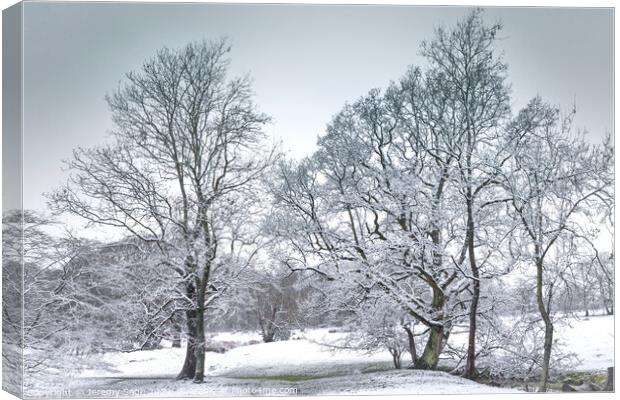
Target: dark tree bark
column 435, row 342
column 548, row 343
column 470, row 366
column 268, row 325
column 544, row 313
column 430, row 356
column 189, row 365
column 199, row 347
column 201, row 284
column 411, row 342
column 609, row 385
column 395, row 357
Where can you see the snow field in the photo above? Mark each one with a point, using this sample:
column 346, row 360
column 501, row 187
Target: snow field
column 310, row 363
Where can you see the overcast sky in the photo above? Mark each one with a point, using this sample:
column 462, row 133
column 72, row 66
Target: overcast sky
column 306, row 61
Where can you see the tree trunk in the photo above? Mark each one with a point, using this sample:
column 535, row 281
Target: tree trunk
column 268, row 326
column 609, row 310
column 189, row 366
column 411, row 341
column 395, row 358
column 430, row 356
column 544, row 376
column 199, row 349
column 268, row 332
column 470, row 366
column 609, row 385
column 544, row 313
column 435, row 342
column 202, row 283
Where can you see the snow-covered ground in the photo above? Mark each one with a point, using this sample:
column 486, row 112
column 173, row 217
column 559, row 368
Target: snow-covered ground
column 294, row 367
column 308, row 365
column 292, row 357
column 371, row 383
column 591, row 339
column 299, row 366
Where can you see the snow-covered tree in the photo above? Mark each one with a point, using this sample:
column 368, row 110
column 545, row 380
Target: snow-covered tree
column 55, row 320
column 469, row 108
column 604, row 272
column 394, row 195
column 371, row 209
column 187, row 149
column 382, row 325
column 556, row 183
column 417, row 192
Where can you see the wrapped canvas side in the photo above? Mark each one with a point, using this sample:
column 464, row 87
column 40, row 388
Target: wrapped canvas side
column 12, row 214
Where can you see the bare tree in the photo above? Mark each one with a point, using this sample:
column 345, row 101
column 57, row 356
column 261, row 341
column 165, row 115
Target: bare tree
column 369, row 211
column 469, row 78
column 274, row 300
column 380, row 326
column 554, row 179
column 604, row 273
column 51, row 327
column 396, row 171
column 186, row 149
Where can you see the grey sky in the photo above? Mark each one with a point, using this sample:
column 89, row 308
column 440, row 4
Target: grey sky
column 306, row 61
